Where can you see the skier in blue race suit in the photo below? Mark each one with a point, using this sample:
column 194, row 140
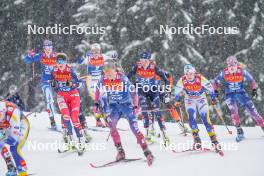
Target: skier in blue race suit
column 122, row 99
column 233, row 78
column 47, row 58
column 148, row 90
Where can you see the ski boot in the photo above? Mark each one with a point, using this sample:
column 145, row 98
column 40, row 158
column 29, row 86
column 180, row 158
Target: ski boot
column 184, row 129
column 149, row 138
column 152, row 131
column 120, row 153
column 197, row 144
column 216, row 145
column 99, row 123
column 149, row 156
column 70, row 144
column 53, row 125
column 87, row 136
column 166, row 139
column 11, row 169
column 80, row 145
column 240, row 134
column 65, row 136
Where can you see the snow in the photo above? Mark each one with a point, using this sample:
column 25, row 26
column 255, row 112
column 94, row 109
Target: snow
column 244, row 159
column 251, row 27
column 183, row 59
column 186, row 16
column 18, row 2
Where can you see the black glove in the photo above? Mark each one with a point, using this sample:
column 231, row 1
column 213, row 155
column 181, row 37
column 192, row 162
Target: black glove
column 96, row 106
column 254, row 93
column 69, row 83
column 216, row 93
column 53, row 83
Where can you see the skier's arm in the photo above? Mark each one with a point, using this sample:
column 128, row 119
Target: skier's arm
column 14, row 129
column 97, row 91
column 162, row 75
column 208, row 86
column 132, row 91
column 178, row 90
column 132, row 72
column 32, row 58
column 20, row 103
column 75, row 79
column 250, row 78
column 217, row 80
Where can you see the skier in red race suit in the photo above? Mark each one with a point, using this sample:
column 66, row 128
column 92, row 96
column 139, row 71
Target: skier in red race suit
column 66, row 83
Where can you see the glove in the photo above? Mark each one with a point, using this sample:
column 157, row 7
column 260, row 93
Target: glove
column 136, row 110
column 166, row 98
column 214, row 102
column 96, row 107
column 216, row 93
column 53, row 83
column 31, row 52
column 69, row 83
column 254, row 93
column 3, row 135
column 177, row 104
column 88, row 53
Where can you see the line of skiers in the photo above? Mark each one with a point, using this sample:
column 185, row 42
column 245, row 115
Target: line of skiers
column 106, row 73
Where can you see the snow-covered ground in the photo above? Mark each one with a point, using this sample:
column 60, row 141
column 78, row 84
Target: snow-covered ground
column 243, row 159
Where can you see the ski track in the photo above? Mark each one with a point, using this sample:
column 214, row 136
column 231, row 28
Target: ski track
column 247, row 160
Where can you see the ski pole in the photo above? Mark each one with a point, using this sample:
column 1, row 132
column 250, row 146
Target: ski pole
column 220, row 115
column 182, row 119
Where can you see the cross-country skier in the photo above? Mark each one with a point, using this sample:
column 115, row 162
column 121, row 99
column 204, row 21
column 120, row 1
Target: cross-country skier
column 233, row 78
column 169, row 104
column 94, row 60
column 14, row 129
column 47, row 58
column 65, row 82
column 148, row 90
column 122, row 99
column 194, row 86
column 14, row 97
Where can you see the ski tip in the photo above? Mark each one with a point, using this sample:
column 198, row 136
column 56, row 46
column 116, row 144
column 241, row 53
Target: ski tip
column 92, row 165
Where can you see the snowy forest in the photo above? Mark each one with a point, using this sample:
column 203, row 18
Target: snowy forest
column 131, row 27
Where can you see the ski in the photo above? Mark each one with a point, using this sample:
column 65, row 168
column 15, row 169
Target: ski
column 80, row 152
column 239, row 139
column 55, row 130
column 221, row 153
column 112, row 163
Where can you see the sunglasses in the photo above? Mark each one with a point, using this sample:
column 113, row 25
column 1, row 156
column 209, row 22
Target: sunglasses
column 61, row 61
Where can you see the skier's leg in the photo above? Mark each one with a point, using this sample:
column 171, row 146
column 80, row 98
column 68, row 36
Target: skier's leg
column 11, row 168
column 231, row 103
column 65, row 112
column 190, row 106
column 248, row 104
column 132, row 119
column 90, row 90
column 47, row 91
column 16, row 148
column 112, row 120
column 204, row 113
column 74, row 106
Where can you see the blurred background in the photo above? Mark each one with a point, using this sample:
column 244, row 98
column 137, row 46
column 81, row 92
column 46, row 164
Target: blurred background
column 133, row 26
